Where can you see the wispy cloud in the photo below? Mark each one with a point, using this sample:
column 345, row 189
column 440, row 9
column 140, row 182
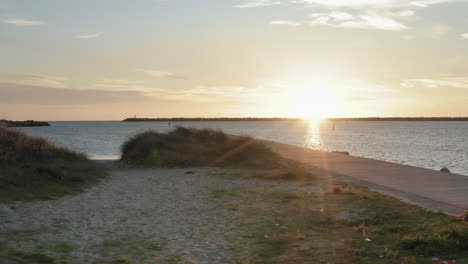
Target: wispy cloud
column 438, row 31
column 391, row 15
column 406, row 13
column 89, row 36
column 452, row 82
column 285, row 22
column 126, row 85
column 161, row 74
column 464, row 36
column 363, row 21
column 43, row 95
column 35, row 79
column 376, row 3
column 24, row 22
column 257, row 3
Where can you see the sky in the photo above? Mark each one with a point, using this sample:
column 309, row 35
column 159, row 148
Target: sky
column 112, row 59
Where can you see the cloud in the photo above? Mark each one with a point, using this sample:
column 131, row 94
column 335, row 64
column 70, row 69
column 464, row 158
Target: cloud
column 89, row 36
column 438, row 31
column 35, row 79
column 361, row 21
column 256, row 3
column 464, row 36
column 452, row 82
column 161, row 74
column 391, row 15
column 24, row 22
column 225, row 93
column 375, row 4
column 11, row 93
column 285, row 22
column 406, row 13
column 125, row 85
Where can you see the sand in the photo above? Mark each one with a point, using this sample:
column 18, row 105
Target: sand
column 163, row 213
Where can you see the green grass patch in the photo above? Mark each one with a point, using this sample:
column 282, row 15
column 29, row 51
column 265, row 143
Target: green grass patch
column 34, row 168
column 347, row 224
column 23, row 257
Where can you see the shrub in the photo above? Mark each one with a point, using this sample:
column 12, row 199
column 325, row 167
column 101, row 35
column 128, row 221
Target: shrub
column 464, row 217
column 16, row 145
column 446, row 240
column 32, row 168
column 189, row 147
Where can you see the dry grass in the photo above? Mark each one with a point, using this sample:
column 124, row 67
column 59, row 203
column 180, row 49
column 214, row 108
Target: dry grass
column 347, row 224
column 34, row 168
column 188, row 147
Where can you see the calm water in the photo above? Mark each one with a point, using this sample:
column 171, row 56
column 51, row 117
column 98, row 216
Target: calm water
column 423, row 144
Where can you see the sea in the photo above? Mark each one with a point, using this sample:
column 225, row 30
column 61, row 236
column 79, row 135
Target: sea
column 427, row 144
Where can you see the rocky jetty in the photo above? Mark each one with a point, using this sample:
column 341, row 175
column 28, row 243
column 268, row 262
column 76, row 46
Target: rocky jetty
column 27, row 123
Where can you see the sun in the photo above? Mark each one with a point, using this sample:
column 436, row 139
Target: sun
column 312, row 101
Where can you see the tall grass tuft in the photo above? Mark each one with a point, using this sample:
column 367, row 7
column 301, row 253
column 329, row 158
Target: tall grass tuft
column 32, row 168
column 189, row 147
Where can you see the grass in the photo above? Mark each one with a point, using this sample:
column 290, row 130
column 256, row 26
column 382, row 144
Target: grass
column 331, row 224
column 22, row 257
column 34, row 168
column 189, row 147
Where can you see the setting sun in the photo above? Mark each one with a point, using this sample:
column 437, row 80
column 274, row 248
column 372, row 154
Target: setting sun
column 312, row 102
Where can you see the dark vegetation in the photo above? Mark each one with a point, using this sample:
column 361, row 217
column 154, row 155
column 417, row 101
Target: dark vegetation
column 218, row 119
column 9, row 123
column 34, row 168
column 189, row 147
column 190, row 119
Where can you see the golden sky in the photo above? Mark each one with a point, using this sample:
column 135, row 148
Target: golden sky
column 111, row 59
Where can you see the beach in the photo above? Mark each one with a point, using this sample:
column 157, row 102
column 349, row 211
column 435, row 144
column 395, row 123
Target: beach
column 216, row 215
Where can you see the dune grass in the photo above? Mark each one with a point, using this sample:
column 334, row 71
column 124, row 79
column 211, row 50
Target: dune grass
column 34, row 168
column 189, row 147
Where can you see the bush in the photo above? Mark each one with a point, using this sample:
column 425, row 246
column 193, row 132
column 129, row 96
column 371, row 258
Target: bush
column 446, row 240
column 189, row 147
column 32, row 168
column 15, row 145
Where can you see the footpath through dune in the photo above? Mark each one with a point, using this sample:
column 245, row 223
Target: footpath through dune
column 154, row 214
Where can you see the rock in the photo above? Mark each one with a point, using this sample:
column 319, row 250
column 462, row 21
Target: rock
column 444, row 169
column 5, row 210
column 190, row 172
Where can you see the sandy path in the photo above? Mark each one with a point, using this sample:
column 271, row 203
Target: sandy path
column 161, row 211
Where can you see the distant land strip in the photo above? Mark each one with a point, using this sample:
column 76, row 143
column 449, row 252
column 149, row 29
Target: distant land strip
column 27, row 123
column 175, row 119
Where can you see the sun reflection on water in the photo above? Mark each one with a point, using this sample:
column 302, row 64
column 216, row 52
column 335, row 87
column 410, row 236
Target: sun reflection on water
column 313, row 138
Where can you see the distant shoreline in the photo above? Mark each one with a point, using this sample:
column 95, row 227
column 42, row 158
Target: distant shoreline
column 227, row 119
column 27, row 123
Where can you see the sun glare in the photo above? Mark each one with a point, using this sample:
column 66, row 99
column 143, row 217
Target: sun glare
column 312, row 102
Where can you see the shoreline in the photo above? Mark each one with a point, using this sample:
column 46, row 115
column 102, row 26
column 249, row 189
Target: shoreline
column 26, row 123
column 272, row 119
